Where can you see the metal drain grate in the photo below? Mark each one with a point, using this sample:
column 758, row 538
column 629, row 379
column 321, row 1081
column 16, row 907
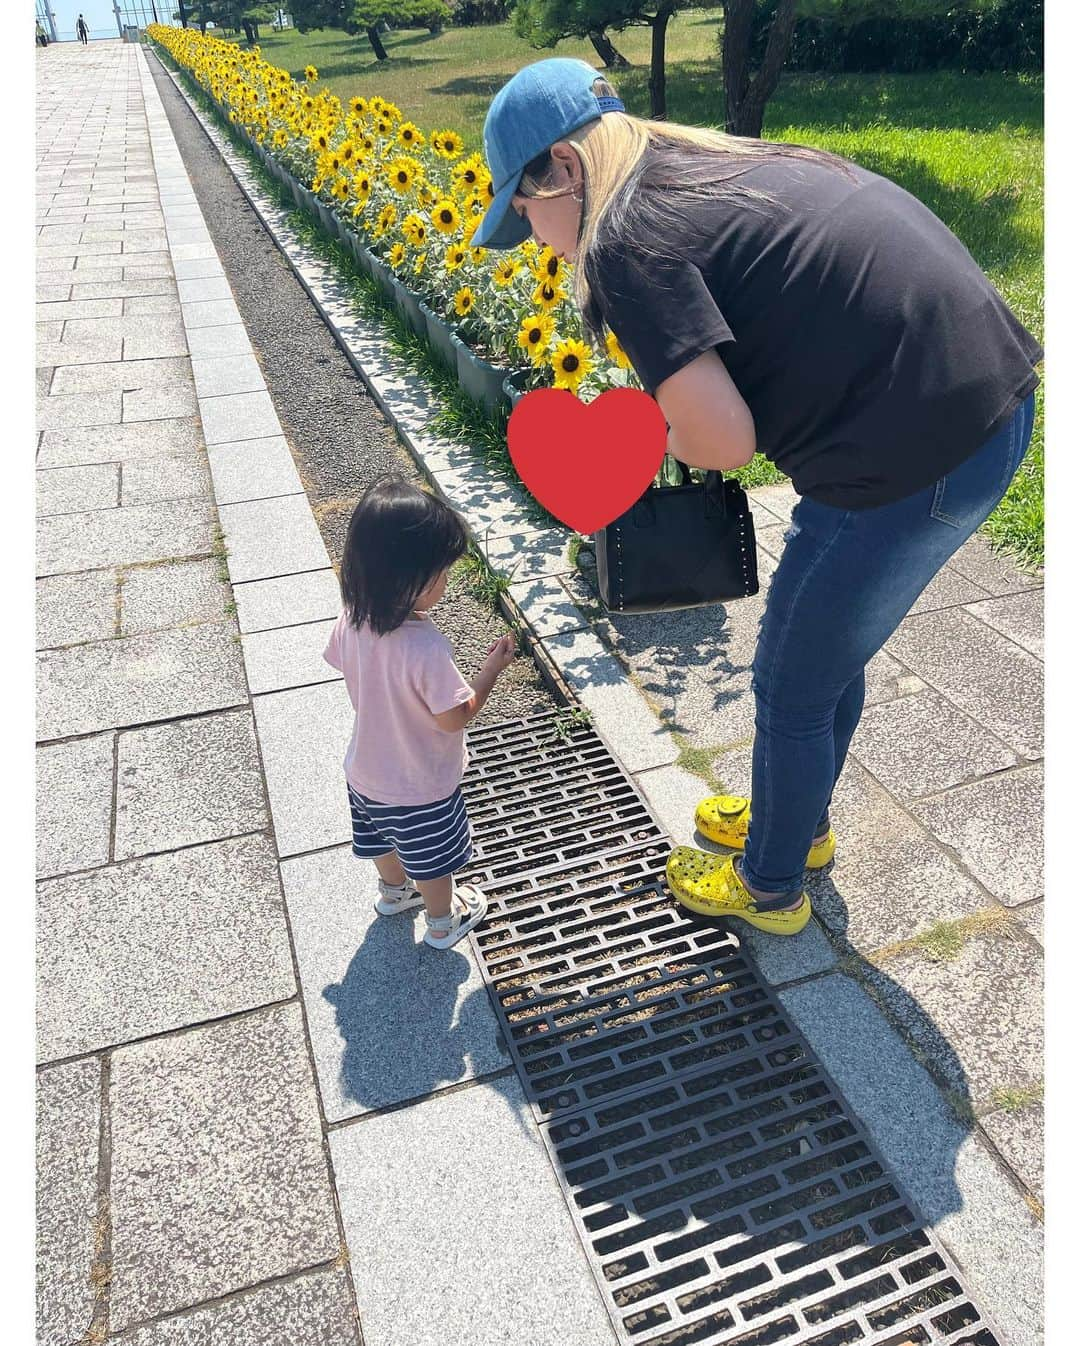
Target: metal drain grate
column 721, row 1188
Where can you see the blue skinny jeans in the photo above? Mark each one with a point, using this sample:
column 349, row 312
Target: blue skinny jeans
column 844, row 583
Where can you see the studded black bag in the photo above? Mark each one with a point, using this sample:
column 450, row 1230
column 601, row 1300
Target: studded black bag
column 683, row 546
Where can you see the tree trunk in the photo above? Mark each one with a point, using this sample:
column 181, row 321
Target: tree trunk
column 745, row 98
column 657, row 73
column 249, row 31
column 606, row 49
column 376, row 43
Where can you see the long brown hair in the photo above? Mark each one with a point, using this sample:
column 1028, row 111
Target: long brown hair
column 618, row 201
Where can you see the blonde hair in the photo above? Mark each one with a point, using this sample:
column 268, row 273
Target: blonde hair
column 611, row 149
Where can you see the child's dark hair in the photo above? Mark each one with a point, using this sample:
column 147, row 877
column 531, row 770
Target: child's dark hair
column 400, row 538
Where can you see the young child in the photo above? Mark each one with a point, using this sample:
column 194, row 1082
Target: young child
column 407, row 753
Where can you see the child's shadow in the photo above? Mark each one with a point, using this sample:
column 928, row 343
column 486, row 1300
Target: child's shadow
column 407, row 1028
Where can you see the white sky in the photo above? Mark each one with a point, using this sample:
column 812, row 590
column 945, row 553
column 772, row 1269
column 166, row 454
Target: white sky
column 99, row 15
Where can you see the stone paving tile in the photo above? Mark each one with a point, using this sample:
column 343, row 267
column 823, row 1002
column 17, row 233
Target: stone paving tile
column 187, row 782
column 313, row 1310
column 218, row 376
column 123, row 375
column 979, row 670
column 210, row 313
column 954, row 1182
column 219, row 1179
column 888, row 881
column 254, row 469
column 991, row 570
column 265, row 538
column 947, row 589
column 917, row 745
column 526, row 554
column 124, row 536
column 155, row 597
column 155, row 944
column 886, row 680
column 71, row 609
column 159, row 404
column 303, row 735
column 267, row 604
column 779, row 500
column 130, row 681
column 141, row 305
column 389, row 1018
column 201, row 288
column 238, row 416
column 1018, row 1136
column 119, row 443
column 618, row 709
column 70, row 490
column 61, row 353
column 175, row 476
column 995, row 827
column 288, row 657
column 1018, row 616
column 151, row 337
column 199, row 266
column 116, row 287
column 219, row 343
column 68, row 1127
column 976, row 1017
column 1031, row 918
column 73, row 814
column 61, row 412
column 80, row 308
column 548, row 607
column 486, row 1286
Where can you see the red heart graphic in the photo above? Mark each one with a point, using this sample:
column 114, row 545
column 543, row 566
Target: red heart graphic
column 586, row 463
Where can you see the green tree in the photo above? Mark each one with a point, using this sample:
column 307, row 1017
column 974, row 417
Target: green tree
column 748, row 90
column 365, row 16
column 543, row 23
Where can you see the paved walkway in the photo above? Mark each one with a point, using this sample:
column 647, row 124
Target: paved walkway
column 242, row 1073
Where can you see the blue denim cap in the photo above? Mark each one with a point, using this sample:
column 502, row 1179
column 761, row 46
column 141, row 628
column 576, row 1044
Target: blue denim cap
column 540, row 105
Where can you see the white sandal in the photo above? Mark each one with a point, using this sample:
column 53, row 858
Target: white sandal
column 458, row 923
column 392, row 900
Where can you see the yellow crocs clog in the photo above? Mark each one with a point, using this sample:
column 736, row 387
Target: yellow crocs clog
column 708, row 884
column 725, row 819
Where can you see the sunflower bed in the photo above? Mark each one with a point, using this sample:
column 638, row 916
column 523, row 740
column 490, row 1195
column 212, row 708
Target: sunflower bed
column 407, row 202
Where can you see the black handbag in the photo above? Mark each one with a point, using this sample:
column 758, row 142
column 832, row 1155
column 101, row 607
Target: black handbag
column 682, row 546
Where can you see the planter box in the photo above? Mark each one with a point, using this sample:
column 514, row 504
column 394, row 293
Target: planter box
column 326, row 217
column 382, row 275
column 361, row 254
column 307, row 202
column 440, row 337
column 298, row 193
column 513, row 386
column 481, row 380
column 408, row 306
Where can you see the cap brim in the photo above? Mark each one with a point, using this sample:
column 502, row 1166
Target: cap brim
column 502, row 226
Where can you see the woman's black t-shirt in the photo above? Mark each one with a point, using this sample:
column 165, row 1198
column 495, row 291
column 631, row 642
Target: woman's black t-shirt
column 871, row 349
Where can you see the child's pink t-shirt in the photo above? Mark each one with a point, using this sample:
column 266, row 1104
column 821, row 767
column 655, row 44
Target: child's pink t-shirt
column 397, row 683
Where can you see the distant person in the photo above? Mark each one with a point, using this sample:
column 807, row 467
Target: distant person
column 82, row 31
column 41, row 37
column 407, row 753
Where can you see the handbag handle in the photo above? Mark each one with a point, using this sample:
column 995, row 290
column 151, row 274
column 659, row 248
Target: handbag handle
column 715, row 495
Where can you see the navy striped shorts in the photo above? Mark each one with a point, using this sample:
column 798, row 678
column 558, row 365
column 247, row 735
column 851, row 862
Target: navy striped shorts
column 431, row 839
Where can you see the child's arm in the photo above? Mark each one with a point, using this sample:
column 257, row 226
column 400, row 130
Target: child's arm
column 498, row 657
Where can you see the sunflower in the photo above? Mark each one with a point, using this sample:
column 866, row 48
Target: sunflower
column 340, row 189
column 571, row 362
column 401, row 175
column 386, row 219
column 448, row 144
column 505, row 271
column 396, row 255
column 426, row 194
column 319, row 143
column 280, row 139
column 347, row 151
column 409, row 135
column 358, row 106
column 470, row 175
column 463, row 302
column 546, row 266
column 383, row 125
column 455, row 256
column 534, row 335
column 418, row 265
column 415, row 230
column 548, row 296
column 615, row 351
column 478, row 254
column 445, row 216
column 310, row 74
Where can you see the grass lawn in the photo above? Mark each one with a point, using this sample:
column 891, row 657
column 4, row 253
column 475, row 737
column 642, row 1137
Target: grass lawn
column 969, row 146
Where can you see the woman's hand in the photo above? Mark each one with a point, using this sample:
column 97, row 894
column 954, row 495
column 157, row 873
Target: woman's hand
column 709, row 424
